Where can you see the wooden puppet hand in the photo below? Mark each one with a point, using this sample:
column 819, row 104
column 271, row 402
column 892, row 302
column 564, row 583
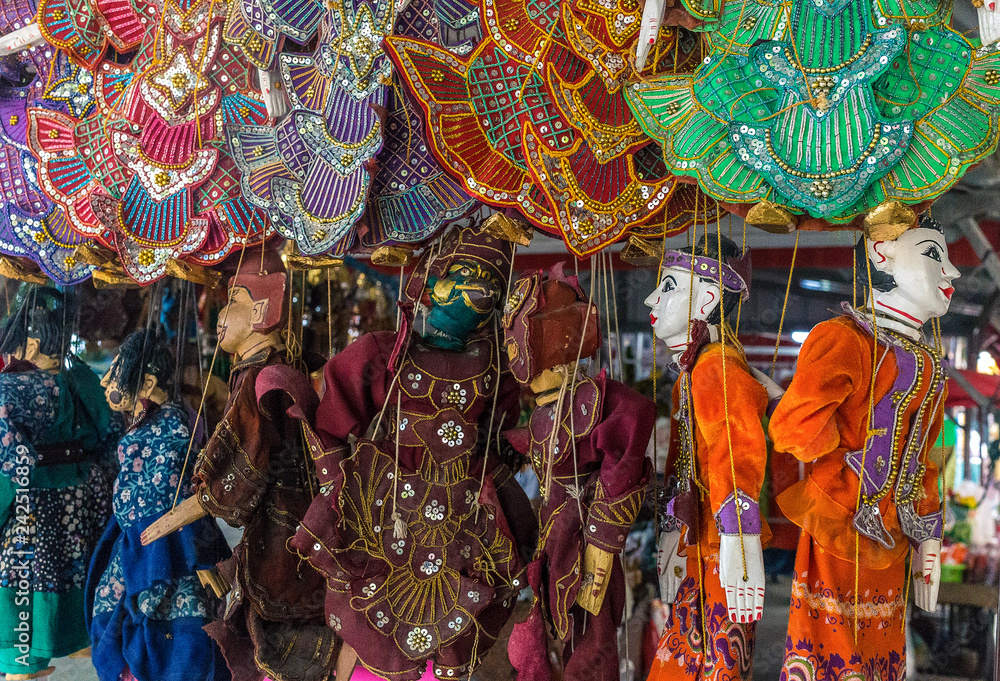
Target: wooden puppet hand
column 596, row 569
column 774, row 391
column 183, row 514
column 927, row 577
column 21, row 39
column 744, row 599
column 652, row 16
column 275, row 100
column 671, row 567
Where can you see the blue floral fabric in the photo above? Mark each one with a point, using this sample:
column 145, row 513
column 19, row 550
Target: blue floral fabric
column 51, row 516
column 145, row 603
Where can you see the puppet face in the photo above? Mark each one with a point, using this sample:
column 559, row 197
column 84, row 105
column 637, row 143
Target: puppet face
column 458, row 304
column 117, row 398
column 238, row 319
column 676, row 294
column 918, row 261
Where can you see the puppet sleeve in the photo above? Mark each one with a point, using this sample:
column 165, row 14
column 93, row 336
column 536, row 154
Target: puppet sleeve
column 232, row 473
column 355, row 389
column 830, row 368
column 733, row 458
column 620, row 440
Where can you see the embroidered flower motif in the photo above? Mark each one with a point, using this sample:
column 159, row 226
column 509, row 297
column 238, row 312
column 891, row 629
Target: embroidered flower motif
column 474, row 596
column 430, row 567
column 418, row 640
column 451, row 434
column 334, row 622
column 407, row 491
column 434, row 511
column 369, row 590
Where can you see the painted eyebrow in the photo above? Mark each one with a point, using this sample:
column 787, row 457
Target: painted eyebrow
column 928, row 240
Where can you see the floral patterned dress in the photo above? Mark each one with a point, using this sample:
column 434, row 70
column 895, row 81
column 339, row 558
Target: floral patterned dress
column 55, row 497
column 145, row 603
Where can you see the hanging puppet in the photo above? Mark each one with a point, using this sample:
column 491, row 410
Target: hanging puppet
column 55, row 485
column 718, row 456
column 255, row 473
column 146, row 605
column 422, row 532
column 873, row 430
column 592, row 472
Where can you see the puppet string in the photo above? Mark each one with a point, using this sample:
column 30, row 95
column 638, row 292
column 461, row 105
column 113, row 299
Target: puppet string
column 572, row 396
column 725, row 407
column 784, row 305
column 204, row 390
column 398, row 524
column 493, row 411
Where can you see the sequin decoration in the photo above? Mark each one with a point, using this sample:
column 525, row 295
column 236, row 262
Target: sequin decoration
column 827, row 107
column 149, row 172
column 534, row 117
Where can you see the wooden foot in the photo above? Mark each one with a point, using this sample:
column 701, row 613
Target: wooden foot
column 346, row 662
column 81, row 654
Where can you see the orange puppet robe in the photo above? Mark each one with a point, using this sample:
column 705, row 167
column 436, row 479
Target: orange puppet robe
column 824, row 418
column 700, row 611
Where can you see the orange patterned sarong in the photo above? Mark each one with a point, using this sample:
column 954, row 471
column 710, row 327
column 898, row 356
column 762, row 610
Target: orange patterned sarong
column 681, row 654
column 821, row 644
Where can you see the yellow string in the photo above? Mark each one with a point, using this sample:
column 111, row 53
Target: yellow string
column 204, row 391
column 725, row 407
column 656, row 454
column 784, row 305
column 869, row 433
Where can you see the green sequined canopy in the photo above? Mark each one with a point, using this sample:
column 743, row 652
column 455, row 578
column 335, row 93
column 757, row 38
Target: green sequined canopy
column 827, row 107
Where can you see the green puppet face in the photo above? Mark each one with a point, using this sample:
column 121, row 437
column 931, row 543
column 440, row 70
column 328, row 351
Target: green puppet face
column 460, row 303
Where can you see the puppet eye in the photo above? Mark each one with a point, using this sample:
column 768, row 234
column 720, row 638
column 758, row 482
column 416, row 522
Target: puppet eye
column 933, row 252
column 668, row 284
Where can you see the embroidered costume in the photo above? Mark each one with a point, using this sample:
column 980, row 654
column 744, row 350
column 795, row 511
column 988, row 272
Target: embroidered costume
column 700, row 641
column 420, row 531
column 592, row 486
column 534, row 119
column 55, row 498
column 823, row 419
column 255, row 474
column 145, row 604
column 827, row 108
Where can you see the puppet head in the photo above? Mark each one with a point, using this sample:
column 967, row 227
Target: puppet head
column 36, row 331
column 143, row 370
column 690, row 283
column 910, row 276
column 256, row 308
column 457, row 289
column 544, row 319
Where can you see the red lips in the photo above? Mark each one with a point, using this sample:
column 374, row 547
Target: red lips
column 948, row 292
column 652, row 319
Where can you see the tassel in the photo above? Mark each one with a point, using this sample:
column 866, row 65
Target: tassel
column 399, row 530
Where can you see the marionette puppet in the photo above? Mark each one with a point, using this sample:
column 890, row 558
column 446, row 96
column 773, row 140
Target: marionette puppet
column 55, row 486
column 871, row 497
column 718, row 456
column 146, row 606
column 592, row 470
column 421, row 530
column 255, row 473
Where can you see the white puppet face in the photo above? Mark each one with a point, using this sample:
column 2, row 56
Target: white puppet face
column 675, row 295
column 918, row 261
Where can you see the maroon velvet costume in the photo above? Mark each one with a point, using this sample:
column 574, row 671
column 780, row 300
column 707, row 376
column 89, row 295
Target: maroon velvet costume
column 444, row 591
column 254, row 473
column 592, row 501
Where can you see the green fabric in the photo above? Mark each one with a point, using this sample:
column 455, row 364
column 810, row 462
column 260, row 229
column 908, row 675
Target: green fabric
column 55, row 628
column 911, row 105
column 83, row 413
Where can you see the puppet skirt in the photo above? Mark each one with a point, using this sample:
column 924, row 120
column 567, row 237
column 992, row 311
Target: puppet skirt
column 821, row 643
column 699, row 614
